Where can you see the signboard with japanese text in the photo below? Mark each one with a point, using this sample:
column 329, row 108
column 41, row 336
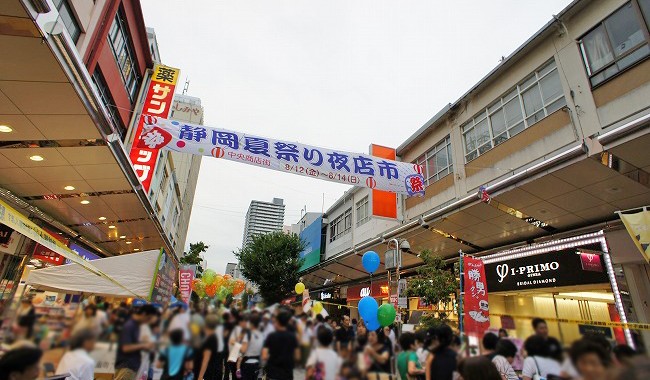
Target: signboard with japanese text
column 163, row 279
column 289, row 157
column 158, row 102
column 550, row 269
column 401, row 293
column 47, row 255
column 311, row 236
column 185, row 277
column 475, row 301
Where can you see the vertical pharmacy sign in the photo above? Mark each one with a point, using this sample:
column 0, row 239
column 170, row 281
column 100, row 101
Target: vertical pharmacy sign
column 158, row 102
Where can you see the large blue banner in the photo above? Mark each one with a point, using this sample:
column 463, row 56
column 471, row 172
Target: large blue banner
column 311, row 236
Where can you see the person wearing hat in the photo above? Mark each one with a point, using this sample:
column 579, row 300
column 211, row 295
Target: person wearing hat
column 20, row 364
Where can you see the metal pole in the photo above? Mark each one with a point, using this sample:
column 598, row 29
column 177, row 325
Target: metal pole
column 461, row 314
column 557, row 316
column 617, row 294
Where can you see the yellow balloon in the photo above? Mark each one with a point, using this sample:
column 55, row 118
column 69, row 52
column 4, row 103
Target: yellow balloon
column 318, row 307
column 300, row 287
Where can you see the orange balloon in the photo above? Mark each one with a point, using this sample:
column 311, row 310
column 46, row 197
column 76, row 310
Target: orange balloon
column 227, row 277
column 240, row 285
column 211, row 290
column 218, row 280
column 194, row 282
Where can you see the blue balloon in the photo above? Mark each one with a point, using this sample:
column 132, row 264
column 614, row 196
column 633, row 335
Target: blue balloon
column 370, row 261
column 368, row 308
column 371, row 324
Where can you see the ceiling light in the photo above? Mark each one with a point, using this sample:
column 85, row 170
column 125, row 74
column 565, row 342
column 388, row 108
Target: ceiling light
column 36, row 158
column 102, row 218
column 129, row 242
column 111, row 226
column 5, row 128
column 69, row 188
column 136, row 249
column 85, row 202
column 123, row 237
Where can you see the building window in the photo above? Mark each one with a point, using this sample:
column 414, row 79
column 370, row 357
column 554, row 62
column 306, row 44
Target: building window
column 618, row 42
column 363, row 214
column 437, row 162
column 536, row 97
column 118, row 38
column 341, row 225
column 107, row 99
column 68, row 19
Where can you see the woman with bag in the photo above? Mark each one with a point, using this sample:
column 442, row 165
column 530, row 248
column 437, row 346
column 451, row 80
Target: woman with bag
column 235, row 345
column 252, row 350
column 377, row 353
column 176, row 360
column 538, row 363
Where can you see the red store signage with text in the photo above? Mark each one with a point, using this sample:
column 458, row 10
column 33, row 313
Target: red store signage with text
column 43, row 253
column 158, row 102
column 185, row 277
column 377, row 290
column 475, row 301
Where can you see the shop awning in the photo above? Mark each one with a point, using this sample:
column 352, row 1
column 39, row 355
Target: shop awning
column 135, row 272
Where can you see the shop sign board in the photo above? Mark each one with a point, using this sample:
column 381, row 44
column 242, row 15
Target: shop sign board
column 158, row 102
column 82, row 252
column 48, row 255
column 163, row 279
column 394, row 300
column 311, row 236
column 595, row 330
column 475, row 300
column 507, row 322
column 423, row 305
column 185, row 277
column 591, row 262
column 551, row 269
column 377, row 290
column 285, row 156
column 325, row 295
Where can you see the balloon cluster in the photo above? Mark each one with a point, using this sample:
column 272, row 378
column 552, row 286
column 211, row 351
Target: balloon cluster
column 317, row 306
column 213, row 285
column 373, row 315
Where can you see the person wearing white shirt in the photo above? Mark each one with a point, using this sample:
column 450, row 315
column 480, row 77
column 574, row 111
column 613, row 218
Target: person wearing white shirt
column 505, row 353
column 538, row 361
column 181, row 321
column 77, row 363
column 324, row 362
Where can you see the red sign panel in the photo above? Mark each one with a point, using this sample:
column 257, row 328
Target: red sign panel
column 377, row 290
column 45, row 254
column 384, row 203
column 423, row 305
column 185, row 277
column 475, row 301
column 591, row 262
column 158, row 102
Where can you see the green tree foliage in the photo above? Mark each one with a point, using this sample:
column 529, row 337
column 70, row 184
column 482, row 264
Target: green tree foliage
column 193, row 257
column 434, row 283
column 272, row 262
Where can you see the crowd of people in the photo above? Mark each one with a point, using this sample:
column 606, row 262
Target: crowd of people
column 225, row 343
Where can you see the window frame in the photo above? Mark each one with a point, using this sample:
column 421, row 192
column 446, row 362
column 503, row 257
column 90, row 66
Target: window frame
column 341, row 225
column 363, row 204
column 515, row 92
column 124, row 54
column 644, row 22
column 59, row 4
column 432, row 153
column 105, row 95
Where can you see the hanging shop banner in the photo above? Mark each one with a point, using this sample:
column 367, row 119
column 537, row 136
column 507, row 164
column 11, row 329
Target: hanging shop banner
column 158, row 102
column 185, row 277
column 401, row 293
column 163, row 279
column 638, row 226
column 475, row 301
column 591, row 261
column 327, row 164
column 550, row 269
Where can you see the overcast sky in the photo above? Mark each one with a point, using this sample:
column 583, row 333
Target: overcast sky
column 339, row 73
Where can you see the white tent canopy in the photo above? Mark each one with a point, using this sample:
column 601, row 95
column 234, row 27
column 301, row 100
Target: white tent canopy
column 134, row 271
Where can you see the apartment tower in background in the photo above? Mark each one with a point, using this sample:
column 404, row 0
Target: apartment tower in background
column 262, row 218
